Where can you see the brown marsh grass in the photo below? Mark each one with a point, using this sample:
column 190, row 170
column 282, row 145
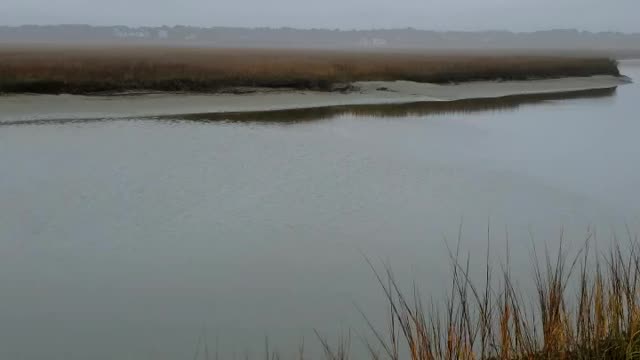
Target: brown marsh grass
column 585, row 307
column 79, row 70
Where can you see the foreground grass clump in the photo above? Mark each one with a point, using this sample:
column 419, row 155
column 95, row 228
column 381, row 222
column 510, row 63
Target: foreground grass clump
column 587, row 307
column 81, row 70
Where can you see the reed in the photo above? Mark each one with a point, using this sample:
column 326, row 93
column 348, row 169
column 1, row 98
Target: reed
column 586, row 307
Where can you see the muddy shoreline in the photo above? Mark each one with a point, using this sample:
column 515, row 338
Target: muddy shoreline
column 16, row 108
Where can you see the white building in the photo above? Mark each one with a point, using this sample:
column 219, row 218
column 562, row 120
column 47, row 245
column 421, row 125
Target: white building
column 373, row 42
column 120, row 33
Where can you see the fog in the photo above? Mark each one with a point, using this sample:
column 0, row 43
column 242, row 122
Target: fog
column 471, row 15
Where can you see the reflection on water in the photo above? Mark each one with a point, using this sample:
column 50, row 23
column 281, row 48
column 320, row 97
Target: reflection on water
column 511, row 102
column 291, row 116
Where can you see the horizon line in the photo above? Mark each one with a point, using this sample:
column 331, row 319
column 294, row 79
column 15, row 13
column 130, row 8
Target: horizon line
column 408, row 28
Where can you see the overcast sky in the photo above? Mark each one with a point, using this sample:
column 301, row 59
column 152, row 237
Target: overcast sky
column 515, row 15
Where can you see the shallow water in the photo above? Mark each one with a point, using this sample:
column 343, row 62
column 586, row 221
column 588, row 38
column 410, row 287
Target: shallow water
column 132, row 239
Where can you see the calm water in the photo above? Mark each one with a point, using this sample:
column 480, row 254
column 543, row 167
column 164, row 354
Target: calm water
column 132, row 239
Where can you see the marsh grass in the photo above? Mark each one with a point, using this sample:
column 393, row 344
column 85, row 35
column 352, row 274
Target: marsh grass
column 583, row 307
column 82, row 70
column 586, row 307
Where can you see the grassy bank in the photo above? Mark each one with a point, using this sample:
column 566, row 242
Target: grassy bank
column 585, row 306
column 53, row 70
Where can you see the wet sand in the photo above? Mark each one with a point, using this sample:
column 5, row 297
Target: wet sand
column 15, row 108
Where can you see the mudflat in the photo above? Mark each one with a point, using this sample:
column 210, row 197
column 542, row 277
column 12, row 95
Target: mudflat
column 25, row 107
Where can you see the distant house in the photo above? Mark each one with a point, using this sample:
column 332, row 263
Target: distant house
column 130, row 33
column 163, row 34
column 373, row 43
